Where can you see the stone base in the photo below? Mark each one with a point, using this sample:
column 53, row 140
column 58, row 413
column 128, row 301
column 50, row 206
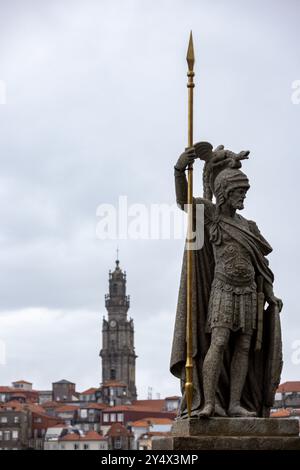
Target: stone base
column 232, row 434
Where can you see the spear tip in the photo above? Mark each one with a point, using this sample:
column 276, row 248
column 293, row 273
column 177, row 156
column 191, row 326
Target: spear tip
column 190, row 57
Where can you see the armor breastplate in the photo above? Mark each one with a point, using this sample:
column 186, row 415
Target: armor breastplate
column 233, row 262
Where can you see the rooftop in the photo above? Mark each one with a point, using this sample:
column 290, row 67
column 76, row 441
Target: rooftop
column 66, row 408
column 155, row 405
column 141, row 423
column 89, row 391
column 283, row 413
column 89, row 436
column 117, row 430
column 95, row 406
column 145, row 422
column 22, row 382
column 63, row 382
column 289, row 387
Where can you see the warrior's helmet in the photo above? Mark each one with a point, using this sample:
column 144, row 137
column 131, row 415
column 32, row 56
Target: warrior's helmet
column 221, row 173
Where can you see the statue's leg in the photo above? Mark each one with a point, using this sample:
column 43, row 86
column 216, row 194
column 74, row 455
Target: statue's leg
column 212, row 368
column 238, row 374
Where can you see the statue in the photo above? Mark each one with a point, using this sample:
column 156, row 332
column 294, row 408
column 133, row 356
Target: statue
column 236, row 341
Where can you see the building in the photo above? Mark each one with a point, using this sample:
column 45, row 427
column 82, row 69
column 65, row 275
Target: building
column 118, row 353
column 119, row 438
column 52, row 436
column 89, row 395
column 20, row 391
column 41, row 422
column 114, row 393
column 64, row 391
column 45, row 396
column 172, row 403
column 70, row 438
column 22, row 385
column 126, row 414
column 145, row 440
column 15, row 426
column 78, row 441
column 145, row 429
column 67, row 413
column 89, row 417
column 288, row 395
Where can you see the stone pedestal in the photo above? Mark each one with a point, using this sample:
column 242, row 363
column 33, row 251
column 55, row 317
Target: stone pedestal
column 232, row 434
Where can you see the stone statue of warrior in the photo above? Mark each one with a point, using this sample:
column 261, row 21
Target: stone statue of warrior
column 237, row 349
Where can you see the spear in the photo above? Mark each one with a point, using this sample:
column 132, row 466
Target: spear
column 189, row 338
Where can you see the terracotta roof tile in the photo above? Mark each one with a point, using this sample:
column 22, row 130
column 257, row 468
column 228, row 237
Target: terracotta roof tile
column 93, row 436
column 118, row 429
column 22, row 382
column 6, row 389
column 51, row 404
column 155, row 405
column 289, row 387
column 139, row 424
column 96, row 406
column 36, row 408
column 149, row 409
column 145, row 422
column 160, row 420
column 89, row 391
column 66, row 408
column 90, row 436
column 15, row 405
column 283, row 413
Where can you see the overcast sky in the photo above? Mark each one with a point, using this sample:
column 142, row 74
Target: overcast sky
column 96, row 106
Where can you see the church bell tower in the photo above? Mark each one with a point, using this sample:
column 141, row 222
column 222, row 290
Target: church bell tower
column 117, row 353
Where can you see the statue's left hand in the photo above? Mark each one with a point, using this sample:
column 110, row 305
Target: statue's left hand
column 273, row 300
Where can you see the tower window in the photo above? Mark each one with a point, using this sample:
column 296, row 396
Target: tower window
column 112, row 374
column 115, row 288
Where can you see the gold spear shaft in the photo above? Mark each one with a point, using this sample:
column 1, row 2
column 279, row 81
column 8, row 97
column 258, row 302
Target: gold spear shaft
column 189, row 335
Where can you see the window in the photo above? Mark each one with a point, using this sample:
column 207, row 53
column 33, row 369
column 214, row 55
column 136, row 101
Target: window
column 117, row 443
column 86, row 447
column 112, row 374
column 76, row 447
column 6, row 435
column 112, row 417
column 1, row 435
column 15, row 435
column 16, row 419
column 3, row 419
column 120, row 417
column 83, row 413
column 105, row 417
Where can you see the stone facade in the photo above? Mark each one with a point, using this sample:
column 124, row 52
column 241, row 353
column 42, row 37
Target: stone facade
column 118, row 353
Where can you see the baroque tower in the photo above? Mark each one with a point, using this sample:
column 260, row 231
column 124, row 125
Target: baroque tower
column 117, row 353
